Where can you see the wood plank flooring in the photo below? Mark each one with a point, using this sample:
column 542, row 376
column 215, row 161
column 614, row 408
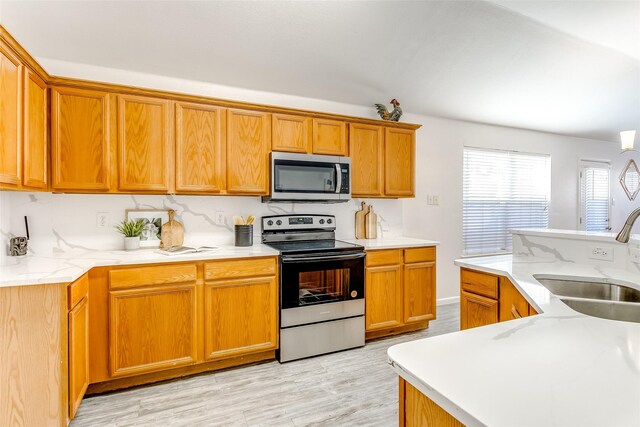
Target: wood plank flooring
column 349, row 388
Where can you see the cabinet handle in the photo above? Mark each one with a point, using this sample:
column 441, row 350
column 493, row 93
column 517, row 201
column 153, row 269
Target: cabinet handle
column 515, row 313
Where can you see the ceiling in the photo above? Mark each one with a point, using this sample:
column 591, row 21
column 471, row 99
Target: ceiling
column 565, row 67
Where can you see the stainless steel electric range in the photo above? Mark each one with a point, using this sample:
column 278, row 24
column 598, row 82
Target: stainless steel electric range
column 321, row 286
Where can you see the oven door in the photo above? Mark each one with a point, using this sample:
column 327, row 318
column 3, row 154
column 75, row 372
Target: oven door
column 309, row 177
column 320, row 278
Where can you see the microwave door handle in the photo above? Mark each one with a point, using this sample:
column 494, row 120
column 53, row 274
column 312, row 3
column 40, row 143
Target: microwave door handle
column 338, row 178
column 304, row 260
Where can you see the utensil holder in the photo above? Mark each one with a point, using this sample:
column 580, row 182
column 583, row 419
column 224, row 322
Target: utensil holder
column 244, row 235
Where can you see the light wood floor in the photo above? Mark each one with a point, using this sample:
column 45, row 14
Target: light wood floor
column 349, row 388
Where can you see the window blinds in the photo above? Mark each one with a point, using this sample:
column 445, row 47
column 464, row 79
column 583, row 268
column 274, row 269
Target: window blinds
column 594, row 196
column 502, row 191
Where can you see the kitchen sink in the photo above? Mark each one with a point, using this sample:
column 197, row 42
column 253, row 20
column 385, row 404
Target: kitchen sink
column 590, row 290
column 596, row 298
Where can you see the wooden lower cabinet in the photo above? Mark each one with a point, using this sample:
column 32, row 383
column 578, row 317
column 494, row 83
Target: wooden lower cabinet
column 399, row 290
column 240, row 317
column 78, row 354
column 486, row 299
column 417, row 410
column 383, row 297
column 152, row 328
column 476, row 310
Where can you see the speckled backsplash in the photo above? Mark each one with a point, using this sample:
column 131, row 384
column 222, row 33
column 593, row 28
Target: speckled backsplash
column 60, row 222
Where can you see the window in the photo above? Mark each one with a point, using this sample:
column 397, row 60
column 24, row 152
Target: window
column 594, row 195
column 502, row 191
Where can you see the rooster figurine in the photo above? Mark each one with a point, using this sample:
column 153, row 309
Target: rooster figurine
column 392, row 116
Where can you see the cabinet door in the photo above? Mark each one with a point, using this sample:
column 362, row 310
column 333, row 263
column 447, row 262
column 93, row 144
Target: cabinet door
column 152, row 329
column 248, row 142
column 240, row 317
column 399, row 162
column 419, row 292
column 78, row 354
column 330, row 137
column 35, row 156
column 200, row 148
column 79, row 140
column 476, row 310
column 291, row 133
column 366, row 148
column 10, row 117
column 512, row 304
column 383, row 297
column 145, row 144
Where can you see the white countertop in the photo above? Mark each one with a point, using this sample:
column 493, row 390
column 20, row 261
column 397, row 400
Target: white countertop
column 391, row 242
column 66, row 267
column 560, row 368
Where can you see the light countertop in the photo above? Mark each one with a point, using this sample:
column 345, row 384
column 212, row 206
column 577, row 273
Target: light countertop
column 68, row 266
column 559, row 368
column 391, row 242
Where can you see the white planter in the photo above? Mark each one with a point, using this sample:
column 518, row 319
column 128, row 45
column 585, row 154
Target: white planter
column 131, row 243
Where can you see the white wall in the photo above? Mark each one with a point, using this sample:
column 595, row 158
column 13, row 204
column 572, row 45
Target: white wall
column 438, row 172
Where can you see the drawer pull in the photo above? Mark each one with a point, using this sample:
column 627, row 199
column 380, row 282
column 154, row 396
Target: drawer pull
column 514, row 311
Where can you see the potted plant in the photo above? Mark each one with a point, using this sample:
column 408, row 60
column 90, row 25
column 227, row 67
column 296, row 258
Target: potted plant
column 131, row 230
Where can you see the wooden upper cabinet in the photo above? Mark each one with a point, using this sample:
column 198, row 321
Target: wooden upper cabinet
column 399, row 162
column 419, row 288
column 35, row 156
column 10, row 117
column 366, row 145
column 145, row 144
column 248, row 145
column 200, row 148
column 80, row 140
column 291, row 133
column 330, row 137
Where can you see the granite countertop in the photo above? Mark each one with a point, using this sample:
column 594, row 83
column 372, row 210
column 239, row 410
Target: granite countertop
column 391, row 242
column 559, row 368
column 66, row 267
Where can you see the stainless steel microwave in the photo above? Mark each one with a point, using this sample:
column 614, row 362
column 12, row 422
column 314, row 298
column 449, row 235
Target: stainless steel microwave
column 309, row 178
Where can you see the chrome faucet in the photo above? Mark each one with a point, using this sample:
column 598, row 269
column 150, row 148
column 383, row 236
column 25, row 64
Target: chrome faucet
column 625, row 233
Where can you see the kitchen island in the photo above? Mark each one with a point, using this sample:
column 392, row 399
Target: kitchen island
column 559, row 367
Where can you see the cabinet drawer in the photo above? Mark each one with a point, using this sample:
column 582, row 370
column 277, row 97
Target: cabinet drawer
column 240, row 268
column 77, row 290
column 479, row 283
column 419, row 254
column 384, row 257
column 149, row 276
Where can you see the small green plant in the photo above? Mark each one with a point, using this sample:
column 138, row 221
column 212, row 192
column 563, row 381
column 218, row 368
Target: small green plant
column 131, row 228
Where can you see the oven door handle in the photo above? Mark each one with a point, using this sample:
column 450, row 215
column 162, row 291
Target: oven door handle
column 305, row 260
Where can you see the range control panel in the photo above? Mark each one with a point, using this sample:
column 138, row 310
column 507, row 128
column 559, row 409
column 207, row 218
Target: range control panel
column 298, row 222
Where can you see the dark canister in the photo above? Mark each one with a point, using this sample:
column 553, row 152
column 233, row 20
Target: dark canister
column 244, row 235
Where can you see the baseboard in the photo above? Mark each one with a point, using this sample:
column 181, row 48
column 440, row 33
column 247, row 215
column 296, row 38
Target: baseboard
column 447, row 301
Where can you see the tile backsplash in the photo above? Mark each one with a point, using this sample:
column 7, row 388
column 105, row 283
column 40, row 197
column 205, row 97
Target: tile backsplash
column 62, row 222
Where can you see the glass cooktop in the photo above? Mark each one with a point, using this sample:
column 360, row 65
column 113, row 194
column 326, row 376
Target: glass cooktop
column 314, row 246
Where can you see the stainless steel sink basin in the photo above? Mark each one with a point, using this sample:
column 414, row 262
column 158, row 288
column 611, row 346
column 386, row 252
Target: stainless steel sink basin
column 596, row 298
column 590, row 290
column 629, row 312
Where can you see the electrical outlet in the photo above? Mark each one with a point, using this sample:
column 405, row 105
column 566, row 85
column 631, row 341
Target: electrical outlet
column 436, row 200
column 219, row 218
column 634, row 255
column 102, row 220
column 601, row 252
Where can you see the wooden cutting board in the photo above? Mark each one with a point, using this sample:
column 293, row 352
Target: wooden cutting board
column 172, row 232
column 371, row 224
column 360, row 216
